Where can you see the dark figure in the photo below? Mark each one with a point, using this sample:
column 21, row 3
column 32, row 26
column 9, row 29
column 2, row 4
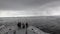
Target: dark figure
column 26, row 25
column 23, row 25
column 26, row 28
column 19, row 24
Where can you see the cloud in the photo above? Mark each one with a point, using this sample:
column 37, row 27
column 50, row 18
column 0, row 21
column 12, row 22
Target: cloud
column 11, row 13
column 23, row 8
column 21, row 4
column 48, row 9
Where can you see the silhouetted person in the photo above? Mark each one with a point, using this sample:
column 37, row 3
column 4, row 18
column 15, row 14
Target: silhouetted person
column 19, row 24
column 26, row 25
column 23, row 25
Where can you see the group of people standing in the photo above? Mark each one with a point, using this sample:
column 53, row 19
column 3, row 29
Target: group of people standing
column 22, row 25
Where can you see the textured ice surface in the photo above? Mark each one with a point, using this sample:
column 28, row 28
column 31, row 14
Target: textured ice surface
column 36, row 30
column 7, row 27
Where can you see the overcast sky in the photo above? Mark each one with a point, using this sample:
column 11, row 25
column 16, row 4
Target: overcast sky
column 28, row 7
column 22, row 4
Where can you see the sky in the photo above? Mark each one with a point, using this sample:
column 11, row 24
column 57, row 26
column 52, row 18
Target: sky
column 24, row 8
